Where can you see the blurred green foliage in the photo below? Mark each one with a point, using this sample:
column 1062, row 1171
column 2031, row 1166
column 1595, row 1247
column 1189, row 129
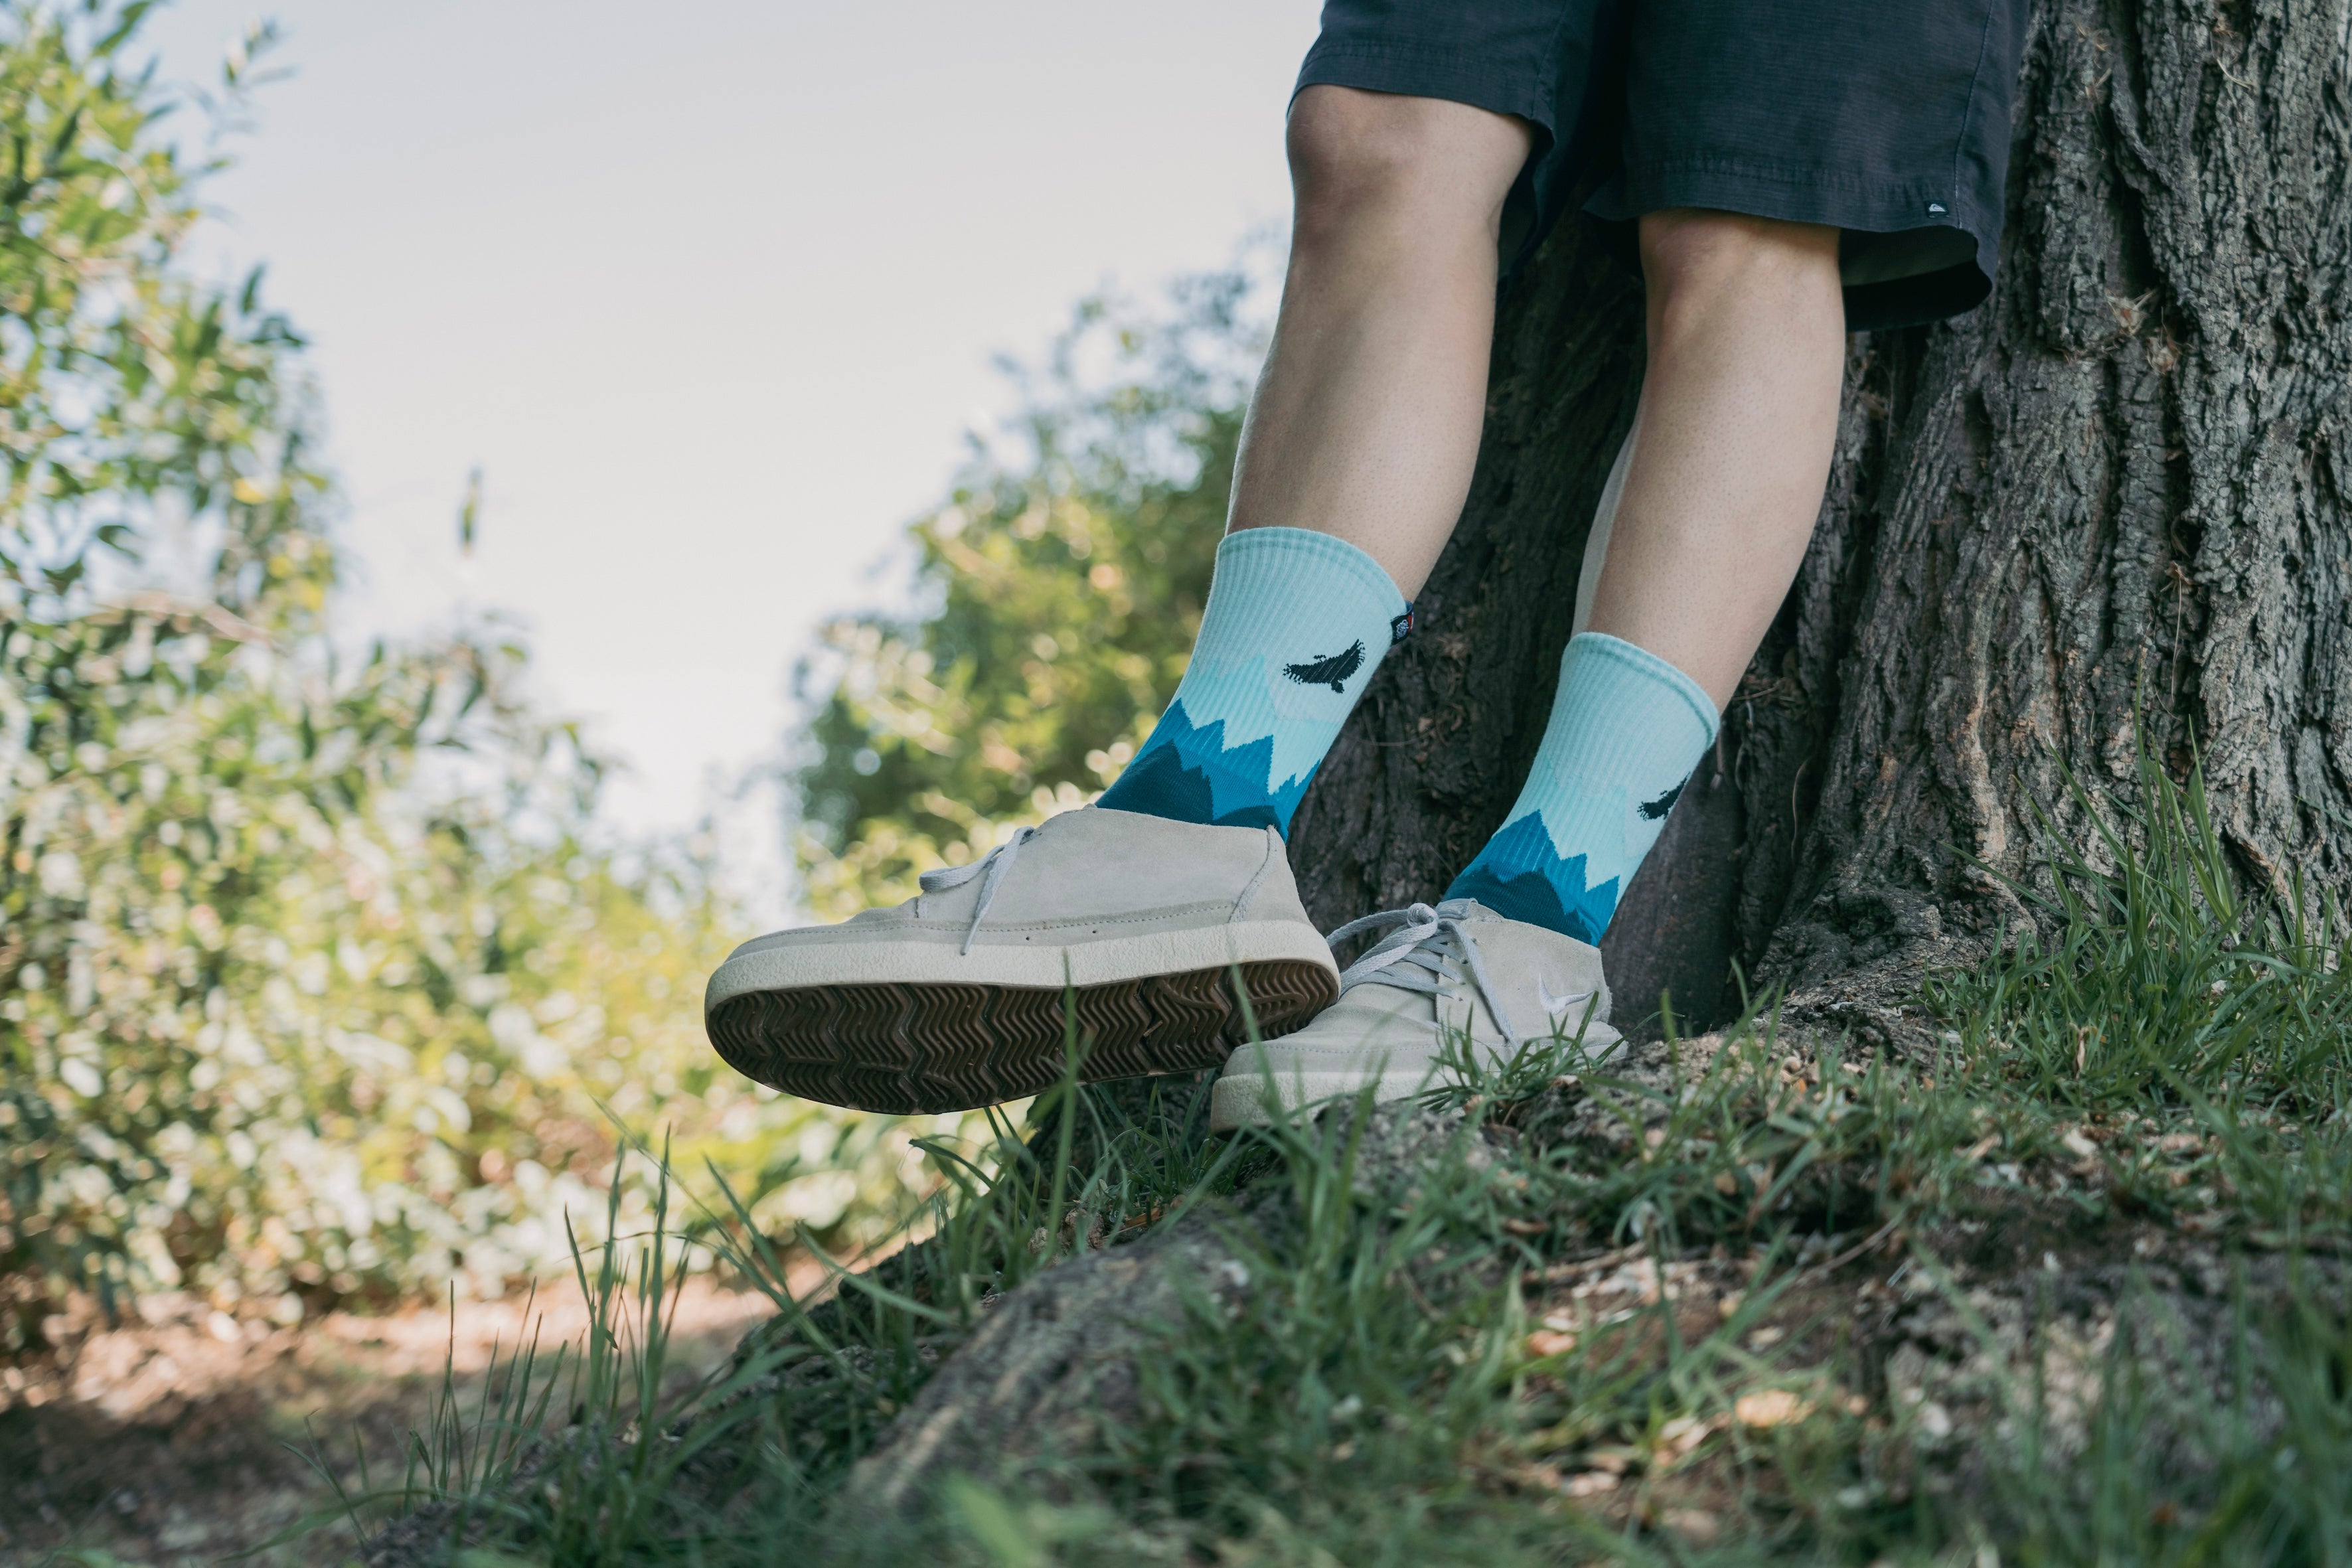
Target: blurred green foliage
column 313, row 983
column 1058, row 592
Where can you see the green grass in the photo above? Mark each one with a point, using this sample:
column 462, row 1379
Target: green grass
column 2153, row 983
column 2251, row 1470
column 2068, row 1291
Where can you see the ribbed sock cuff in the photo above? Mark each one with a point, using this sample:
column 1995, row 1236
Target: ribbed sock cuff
column 1275, row 551
column 1629, row 662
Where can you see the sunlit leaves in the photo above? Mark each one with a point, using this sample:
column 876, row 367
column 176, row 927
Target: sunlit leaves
column 1063, row 582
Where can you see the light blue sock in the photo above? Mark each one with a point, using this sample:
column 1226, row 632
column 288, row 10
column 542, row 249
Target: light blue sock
column 1297, row 622
column 1626, row 729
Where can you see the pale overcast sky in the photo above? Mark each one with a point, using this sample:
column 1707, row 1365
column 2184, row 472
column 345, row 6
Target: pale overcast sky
column 707, row 290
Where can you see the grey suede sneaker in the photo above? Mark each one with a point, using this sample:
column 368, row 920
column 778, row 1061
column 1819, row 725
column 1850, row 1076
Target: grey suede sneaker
column 1456, row 968
column 953, row 999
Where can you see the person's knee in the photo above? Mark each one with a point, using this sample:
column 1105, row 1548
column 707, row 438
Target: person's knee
column 1357, row 154
column 1692, row 258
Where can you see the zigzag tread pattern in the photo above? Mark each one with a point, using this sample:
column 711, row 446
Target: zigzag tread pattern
column 916, row 1049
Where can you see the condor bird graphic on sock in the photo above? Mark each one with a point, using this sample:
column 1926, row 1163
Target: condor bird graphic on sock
column 1247, row 726
column 1655, row 810
column 1333, row 671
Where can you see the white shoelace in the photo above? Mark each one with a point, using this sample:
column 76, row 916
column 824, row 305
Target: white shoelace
column 990, row 867
column 1430, row 953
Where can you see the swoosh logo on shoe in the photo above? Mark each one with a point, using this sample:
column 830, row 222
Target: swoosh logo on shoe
column 1558, row 1006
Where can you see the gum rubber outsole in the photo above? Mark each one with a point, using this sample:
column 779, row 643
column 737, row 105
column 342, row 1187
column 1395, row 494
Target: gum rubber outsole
column 908, row 1050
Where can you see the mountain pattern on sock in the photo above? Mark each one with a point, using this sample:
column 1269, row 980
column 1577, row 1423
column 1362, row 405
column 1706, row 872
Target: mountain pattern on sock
column 1297, row 623
column 1626, row 729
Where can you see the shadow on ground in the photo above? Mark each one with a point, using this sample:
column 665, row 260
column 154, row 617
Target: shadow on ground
column 173, row 1439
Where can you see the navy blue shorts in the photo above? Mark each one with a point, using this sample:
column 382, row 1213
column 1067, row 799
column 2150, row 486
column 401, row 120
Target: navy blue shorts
column 1888, row 119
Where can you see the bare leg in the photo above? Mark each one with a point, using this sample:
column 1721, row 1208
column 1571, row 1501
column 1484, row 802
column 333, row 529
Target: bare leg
column 1596, row 544
column 1733, row 439
column 1367, row 417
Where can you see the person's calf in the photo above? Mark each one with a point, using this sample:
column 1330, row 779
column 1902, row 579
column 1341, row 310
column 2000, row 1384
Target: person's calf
column 1357, row 451
column 1365, row 425
column 1733, row 439
column 1702, row 525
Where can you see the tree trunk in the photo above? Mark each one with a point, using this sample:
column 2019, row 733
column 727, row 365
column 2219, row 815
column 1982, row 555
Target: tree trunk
column 2104, row 506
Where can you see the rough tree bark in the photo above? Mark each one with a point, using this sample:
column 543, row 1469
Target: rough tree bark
column 2117, row 487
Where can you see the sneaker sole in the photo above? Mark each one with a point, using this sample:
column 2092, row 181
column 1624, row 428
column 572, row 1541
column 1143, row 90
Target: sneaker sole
column 1245, row 1098
column 1250, row 1096
column 913, row 1049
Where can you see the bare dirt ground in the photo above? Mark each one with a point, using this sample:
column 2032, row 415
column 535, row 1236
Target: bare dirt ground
column 171, row 1439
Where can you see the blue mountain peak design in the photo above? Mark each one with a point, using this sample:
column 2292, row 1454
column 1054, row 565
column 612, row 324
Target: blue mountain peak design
column 1521, row 877
column 1187, row 773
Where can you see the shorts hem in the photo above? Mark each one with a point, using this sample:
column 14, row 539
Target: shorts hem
column 1412, row 71
column 1798, row 194
column 1835, row 198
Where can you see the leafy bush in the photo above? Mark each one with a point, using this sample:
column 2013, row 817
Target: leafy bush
column 313, row 981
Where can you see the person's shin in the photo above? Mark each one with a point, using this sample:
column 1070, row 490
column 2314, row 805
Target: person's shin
column 1295, row 624
column 1627, row 729
column 1604, row 523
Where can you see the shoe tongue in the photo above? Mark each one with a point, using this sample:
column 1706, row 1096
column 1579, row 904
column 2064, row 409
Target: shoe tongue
column 1459, row 1003
column 1385, row 999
